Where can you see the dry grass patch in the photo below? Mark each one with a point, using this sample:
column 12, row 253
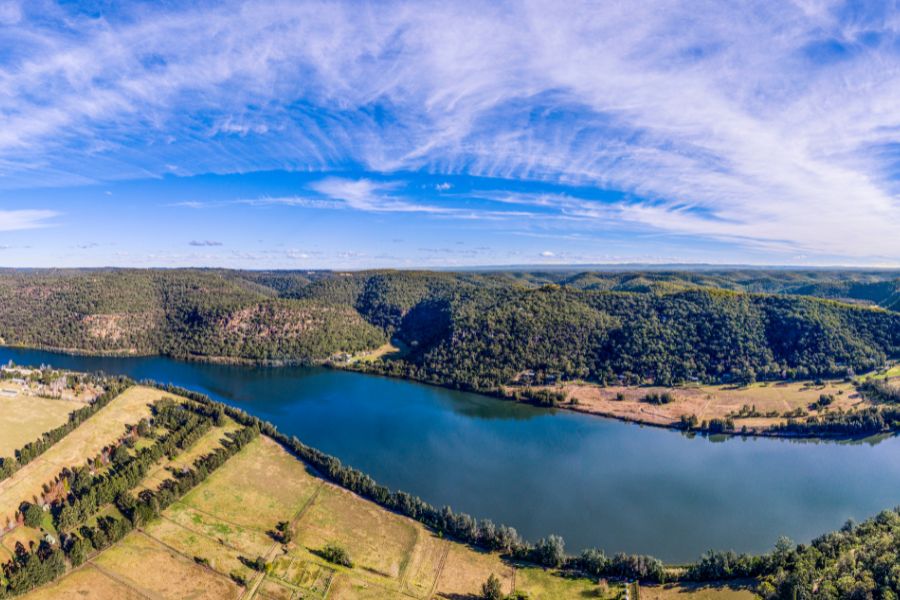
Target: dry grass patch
column 696, row 592
column 301, row 571
column 250, row 541
column 346, row 587
column 197, row 546
column 378, row 541
column 86, row 441
column 710, row 401
column 272, row 590
column 149, row 566
column 542, row 584
column 24, row 419
column 257, row 488
column 425, row 563
column 86, row 583
column 23, row 534
column 465, row 570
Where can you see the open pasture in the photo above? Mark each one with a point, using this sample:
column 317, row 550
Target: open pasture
column 221, row 558
column 378, row 541
column 256, row 489
column 86, row 583
column 545, row 584
column 245, row 539
column 24, row 418
column 157, row 571
column 465, row 570
column 103, row 428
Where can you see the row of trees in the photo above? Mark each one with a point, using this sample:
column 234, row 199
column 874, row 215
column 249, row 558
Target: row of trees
column 77, row 541
column 880, row 391
column 859, row 423
column 89, row 493
column 24, row 455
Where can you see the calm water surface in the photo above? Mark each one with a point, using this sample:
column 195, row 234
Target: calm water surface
column 596, row 482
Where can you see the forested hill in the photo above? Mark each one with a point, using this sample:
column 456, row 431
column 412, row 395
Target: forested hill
column 476, row 330
column 180, row 313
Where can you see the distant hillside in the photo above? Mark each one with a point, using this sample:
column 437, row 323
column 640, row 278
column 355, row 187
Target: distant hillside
column 476, row 330
column 179, row 313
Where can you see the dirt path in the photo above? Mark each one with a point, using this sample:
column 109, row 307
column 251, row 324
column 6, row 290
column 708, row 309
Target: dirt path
column 124, row 582
column 440, row 570
column 270, row 555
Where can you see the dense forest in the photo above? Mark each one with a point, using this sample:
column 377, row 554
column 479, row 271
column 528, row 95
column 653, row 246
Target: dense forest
column 477, row 330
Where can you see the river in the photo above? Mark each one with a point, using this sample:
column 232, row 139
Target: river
column 595, row 481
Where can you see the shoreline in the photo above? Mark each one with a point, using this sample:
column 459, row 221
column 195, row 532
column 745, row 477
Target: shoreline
column 350, row 367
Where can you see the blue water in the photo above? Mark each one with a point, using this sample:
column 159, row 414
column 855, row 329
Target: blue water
column 595, row 481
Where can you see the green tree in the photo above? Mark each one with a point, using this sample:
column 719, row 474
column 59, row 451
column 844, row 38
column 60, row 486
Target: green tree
column 492, row 589
column 33, row 514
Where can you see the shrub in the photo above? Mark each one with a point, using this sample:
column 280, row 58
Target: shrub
column 337, row 555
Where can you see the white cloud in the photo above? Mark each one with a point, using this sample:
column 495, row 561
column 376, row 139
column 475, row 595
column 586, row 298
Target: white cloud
column 729, row 128
column 10, row 12
column 13, row 220
column 372, row 196
column 547, row 254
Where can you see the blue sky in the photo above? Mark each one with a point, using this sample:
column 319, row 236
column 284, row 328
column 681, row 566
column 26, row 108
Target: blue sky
column 391, row 134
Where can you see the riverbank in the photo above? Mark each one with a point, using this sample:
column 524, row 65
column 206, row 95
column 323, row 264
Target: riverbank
column 762, row 409
column 775, row 409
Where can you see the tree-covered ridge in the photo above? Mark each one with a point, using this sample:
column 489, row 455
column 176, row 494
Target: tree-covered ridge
column 179, row 313
column 473, row 329
column 488, row 338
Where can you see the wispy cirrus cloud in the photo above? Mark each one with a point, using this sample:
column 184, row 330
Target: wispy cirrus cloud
column 15, row 220
column 769, row 123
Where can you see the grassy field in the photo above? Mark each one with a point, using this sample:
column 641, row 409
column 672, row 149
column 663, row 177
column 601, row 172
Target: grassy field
column 464, row 571
column 207, row 443
column 695, row 592
column 225, row 522
column 85, row 442
column 543, row 584
column 388, row 351
column 379, row 542
column 25, row 418
column 888, row 374
column 203, row 544
column 24, row 535
column 148, row 566
column 257, row 488
column 712, row 401
column 86, row 583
